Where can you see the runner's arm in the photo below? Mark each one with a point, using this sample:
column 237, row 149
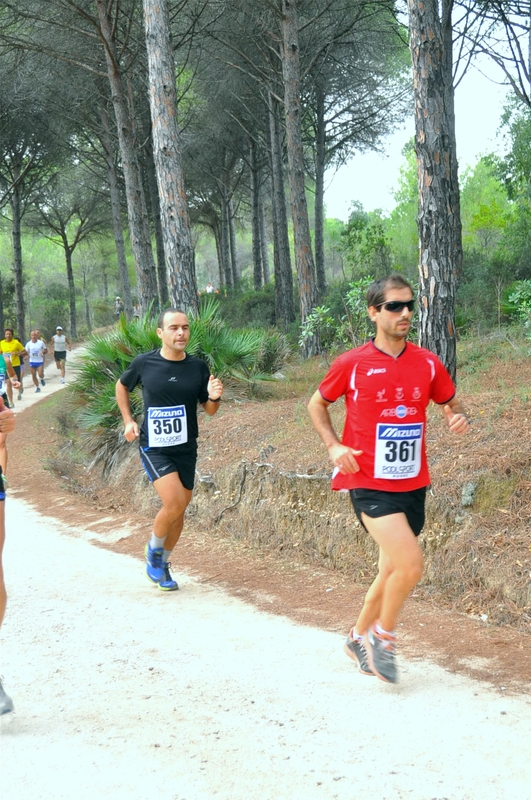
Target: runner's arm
column 12, row 374
column 341, row 456
column 215, row 392
column 455, row 414
column 131, row 430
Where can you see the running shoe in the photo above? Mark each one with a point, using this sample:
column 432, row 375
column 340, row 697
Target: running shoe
column 381, row 655
column 6, row 704
column 154, row 565
column 43, row 382
column 167, row 584
column 37, row 389
column 62, row 380
column 19, row 397
column 357, row 653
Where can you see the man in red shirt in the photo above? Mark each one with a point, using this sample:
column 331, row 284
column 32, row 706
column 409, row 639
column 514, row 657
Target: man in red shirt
column 381, row 458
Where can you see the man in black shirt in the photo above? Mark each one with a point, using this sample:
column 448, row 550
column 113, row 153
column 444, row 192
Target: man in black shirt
column 173, row 383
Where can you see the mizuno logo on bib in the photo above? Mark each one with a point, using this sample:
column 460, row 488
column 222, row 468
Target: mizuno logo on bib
column 398, row 451
column 167, row 426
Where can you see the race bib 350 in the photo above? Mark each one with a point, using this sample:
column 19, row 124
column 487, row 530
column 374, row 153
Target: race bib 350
column 167, row 426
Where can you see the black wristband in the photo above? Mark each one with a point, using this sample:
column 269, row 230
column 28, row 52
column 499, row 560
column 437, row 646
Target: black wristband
column 217, row 400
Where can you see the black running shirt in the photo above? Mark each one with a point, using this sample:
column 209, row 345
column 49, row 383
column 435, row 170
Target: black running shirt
column 171, row 391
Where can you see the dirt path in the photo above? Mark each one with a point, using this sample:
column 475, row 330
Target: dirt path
column 124, row 692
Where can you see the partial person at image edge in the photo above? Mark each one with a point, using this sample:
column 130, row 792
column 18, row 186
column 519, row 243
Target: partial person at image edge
column 173, row 383
column 7, row 424
column 381, row 459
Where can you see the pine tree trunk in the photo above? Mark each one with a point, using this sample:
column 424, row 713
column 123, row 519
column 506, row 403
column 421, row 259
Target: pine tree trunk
column 264, row 246
column 319, row 194
column 284, row 304
column 232, row 239
column 439, row 213
column 162, row 272
column 167, row 155
column 87, row 304
column 217, row 238
column 455, row 202
column 299, row 209
column 17, row 259
column 255, row 218
column 225, row 243
column 116, row 216
column 71, row 286
column 136, row 201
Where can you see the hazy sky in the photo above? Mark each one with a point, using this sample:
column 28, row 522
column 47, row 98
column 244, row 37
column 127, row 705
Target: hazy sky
column 370, row 178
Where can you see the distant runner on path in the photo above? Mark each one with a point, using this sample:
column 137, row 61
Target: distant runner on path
column 7, row 424
column 173, row 383
column 36, row 350
column 381, row 458
column 13, row 349
column 59, row 343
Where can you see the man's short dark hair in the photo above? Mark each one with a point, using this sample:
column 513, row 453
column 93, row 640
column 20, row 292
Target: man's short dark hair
column 160, row 323
column 9, row 329
column 378, row 289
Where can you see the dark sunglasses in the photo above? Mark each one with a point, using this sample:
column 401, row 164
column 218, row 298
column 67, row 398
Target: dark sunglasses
column 397, row 305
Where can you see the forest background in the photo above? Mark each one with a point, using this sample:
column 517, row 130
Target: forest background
column 76, row 83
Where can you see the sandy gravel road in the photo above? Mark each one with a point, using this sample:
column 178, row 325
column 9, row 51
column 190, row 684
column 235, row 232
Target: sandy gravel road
column 122, row 691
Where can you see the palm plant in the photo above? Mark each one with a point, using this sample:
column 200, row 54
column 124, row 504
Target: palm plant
column 240, row 357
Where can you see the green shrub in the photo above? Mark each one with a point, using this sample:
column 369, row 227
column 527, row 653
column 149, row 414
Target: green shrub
column 240, row 356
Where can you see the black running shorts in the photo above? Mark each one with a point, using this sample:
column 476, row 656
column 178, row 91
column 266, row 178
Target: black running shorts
column 60, row 355
column 157, row 463
column 375, row 504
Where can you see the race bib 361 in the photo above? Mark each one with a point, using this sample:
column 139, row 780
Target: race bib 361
column 398, row 450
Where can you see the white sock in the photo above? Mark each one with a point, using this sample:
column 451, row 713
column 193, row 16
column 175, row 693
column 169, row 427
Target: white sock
column 378, row 628
column 356, row 637
column 155, row 543
column 166, row 556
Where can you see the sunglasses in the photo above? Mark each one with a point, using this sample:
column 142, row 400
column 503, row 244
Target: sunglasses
column 397, row 305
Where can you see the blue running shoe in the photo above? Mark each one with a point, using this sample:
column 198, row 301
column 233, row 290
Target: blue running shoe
column 43, row 382
column 167, row 584
column 154, row 565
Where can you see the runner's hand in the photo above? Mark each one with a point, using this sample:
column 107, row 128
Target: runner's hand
column 131, row 431
column 458, row 423
column 343, row 458
column 215, row 388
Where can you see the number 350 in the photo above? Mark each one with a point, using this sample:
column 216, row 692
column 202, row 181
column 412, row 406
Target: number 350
column 161, row 426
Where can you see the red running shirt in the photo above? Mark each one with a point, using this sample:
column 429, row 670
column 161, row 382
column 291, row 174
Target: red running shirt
column 386, row 400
